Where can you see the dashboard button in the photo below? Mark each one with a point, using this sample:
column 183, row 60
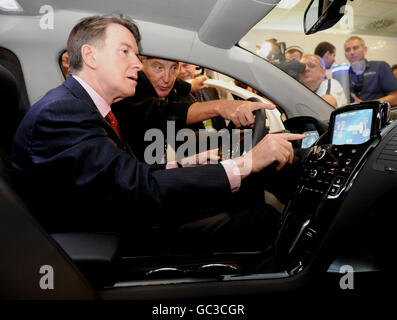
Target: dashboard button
column 339, row 180
column 310, row 233
column 334, row 190
column 313, row 173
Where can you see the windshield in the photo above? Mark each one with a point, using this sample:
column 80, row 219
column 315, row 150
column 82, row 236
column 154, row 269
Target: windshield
column 281, row 31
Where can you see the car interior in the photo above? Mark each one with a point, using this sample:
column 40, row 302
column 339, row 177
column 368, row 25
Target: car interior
column 339, row 214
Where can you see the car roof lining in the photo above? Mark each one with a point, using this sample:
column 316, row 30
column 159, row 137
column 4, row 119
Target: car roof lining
column 220, row 23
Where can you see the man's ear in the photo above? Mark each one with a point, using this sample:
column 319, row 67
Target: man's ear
column 328, row 54
column 323, row 73
column 88, row 54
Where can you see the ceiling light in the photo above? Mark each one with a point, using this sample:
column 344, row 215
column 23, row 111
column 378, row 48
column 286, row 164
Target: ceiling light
column 10, row 5
column 287, row 4
column 380, row 24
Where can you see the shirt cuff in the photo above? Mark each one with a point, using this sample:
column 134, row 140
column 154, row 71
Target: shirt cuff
column 233, row 174
column 171, row 165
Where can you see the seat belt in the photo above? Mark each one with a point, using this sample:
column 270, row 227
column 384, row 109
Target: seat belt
column 328, row 87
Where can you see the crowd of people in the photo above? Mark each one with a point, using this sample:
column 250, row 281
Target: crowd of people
column 368, row 80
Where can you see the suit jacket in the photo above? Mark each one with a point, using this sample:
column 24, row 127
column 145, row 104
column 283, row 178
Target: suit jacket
column 206, row 94
column 145, row 111
column 76, row 175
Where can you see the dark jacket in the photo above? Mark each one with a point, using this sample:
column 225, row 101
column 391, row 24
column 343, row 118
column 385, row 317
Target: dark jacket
column 145, row 111
column 76, row 175
column 206, row 94
column 375, row 82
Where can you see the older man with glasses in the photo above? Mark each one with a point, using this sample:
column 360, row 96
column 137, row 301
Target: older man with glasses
column 314, row 78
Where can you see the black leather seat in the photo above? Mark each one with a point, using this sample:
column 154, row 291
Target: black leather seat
column 25, row 248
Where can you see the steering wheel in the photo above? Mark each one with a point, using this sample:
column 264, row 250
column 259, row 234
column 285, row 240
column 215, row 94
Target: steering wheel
column 259, row 130
column 260, row 124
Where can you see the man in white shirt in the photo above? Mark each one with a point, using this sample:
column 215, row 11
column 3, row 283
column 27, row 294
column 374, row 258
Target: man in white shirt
column 313, row 78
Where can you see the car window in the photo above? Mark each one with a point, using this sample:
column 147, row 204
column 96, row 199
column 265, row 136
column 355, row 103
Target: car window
column 63, row 61
column 282, row 29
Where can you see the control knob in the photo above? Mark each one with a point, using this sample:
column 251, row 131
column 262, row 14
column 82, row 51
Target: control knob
column 313, row 173
column 321, row 153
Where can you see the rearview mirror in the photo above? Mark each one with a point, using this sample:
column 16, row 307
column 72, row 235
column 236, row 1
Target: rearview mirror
column 323, row 14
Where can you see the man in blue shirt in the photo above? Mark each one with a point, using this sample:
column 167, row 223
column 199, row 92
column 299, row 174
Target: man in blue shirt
column 369, row 80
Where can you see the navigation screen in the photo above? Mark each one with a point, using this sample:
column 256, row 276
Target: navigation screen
column 352, row 127
column 311, row 138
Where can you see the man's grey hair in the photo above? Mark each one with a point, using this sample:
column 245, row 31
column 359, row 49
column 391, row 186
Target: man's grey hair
column 318, row 58
column 356, row 38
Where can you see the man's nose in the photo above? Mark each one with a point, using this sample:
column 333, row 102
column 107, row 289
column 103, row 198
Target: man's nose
column 166, row 76
column 137, row 64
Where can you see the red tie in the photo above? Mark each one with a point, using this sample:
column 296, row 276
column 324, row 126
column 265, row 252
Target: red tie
column 113, row 122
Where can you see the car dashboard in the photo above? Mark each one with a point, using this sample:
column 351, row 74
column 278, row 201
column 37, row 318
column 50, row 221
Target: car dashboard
column 360, row 139
column 324, row 203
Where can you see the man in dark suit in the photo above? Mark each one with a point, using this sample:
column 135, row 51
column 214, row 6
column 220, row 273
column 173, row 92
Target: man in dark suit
column 187, row 72
column 159, row 97
column 79, row 175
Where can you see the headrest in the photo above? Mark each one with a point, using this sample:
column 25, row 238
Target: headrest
column 9, row 119
column 8, row 89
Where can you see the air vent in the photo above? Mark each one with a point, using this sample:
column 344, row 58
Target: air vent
column 380, row 24
column 387, row 159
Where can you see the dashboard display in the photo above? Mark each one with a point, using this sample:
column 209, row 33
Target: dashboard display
column 311, row 138
column 352, row 127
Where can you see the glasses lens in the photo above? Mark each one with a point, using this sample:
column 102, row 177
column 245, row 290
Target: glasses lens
column 311, row 64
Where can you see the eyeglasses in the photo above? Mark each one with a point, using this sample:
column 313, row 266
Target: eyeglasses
column 311, row 65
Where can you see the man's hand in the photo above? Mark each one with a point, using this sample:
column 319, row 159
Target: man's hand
column 355, row 98
column 240, row 112
column 330, row 99
column 199, row 159
column 198, row 84
column 272, row 148
column 237, row 111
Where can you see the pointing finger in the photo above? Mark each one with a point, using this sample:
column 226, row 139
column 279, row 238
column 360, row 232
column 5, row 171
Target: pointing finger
column 292, row 136
column 261, row 105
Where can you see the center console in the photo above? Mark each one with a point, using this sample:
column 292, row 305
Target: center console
column 328, row 173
